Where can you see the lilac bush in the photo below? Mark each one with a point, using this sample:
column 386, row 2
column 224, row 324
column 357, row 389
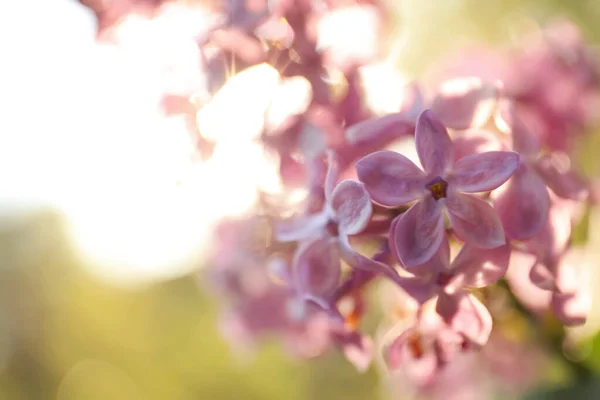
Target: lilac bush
column 498, row 186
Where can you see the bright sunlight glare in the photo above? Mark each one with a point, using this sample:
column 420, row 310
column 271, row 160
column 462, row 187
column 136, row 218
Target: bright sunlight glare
column 86, row 134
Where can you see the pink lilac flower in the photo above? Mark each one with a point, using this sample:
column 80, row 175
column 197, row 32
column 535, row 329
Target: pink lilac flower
column 556, row 267
column 523, row 204
column 324, row 239
column 555, row 82
column 255, row 305
column 553, row 78
column 422, row 351
column 393, row 180
column 448, row 283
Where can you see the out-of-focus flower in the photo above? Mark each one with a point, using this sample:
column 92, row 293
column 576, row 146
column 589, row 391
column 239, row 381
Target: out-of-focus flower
column 524, row 202
column 464, row 103
column 422, row 350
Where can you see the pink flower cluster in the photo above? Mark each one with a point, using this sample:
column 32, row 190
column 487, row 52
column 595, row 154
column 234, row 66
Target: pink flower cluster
column 497, row 185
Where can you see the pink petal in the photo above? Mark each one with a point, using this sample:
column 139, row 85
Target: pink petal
column 418, row 289
column 388, row 126
column 567, row 280
column 419, row 232
column 481, row 267
column 358, row 261
column 412, row 101
column 475, row 221
column 352, row 206
column 391, row 241
column 484, row 171
column 405, row 353
column 434, row 146
column 390, row 178
column 247, row 47
column 333, row 173
column 316, row 268
column 465, row 314
column 357, row 348
column 296, row 229
column 541, row 277
column 551, row 242
column 448, row 345
column 464, row 103
column 523, row 204
column 556, row 172
column 276, row 29
column 475, row 141
column 517, row 276
column 507, row 121
column 571, row 308
column 439, row 262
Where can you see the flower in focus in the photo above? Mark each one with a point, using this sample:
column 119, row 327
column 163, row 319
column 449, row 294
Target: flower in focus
column 393, row 180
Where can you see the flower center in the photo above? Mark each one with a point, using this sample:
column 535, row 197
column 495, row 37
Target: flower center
column 415, row 346
column 443, row 278
column 332, row 228
column 351, row 308
column 438, row 188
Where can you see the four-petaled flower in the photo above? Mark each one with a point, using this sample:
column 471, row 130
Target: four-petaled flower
column 393, row 180
column 323, row 238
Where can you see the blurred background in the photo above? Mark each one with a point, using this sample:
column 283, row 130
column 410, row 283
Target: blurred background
column 105, row 220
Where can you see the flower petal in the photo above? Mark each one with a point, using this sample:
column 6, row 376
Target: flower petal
column 419, row 232
column 380, row 128
column 553, row 239
column 419, row 290
column 556, row 172
column 302, row 228
column 357, row 348
column 475, row 221
column 484, row 171
column 420, row 364
column 508, row 122
column 246, row 47
column 481, row 267
column 352, row 206
column 541, row 277
column 475, row 141
column 523, row 204
column 439, row 262
column 333, row 173
column 465, row 314
column 434, row 146
column 358, row 261
column 316, row 268
column 464, row 103
column 518, row 279
column 571, row 308
column 390, row 178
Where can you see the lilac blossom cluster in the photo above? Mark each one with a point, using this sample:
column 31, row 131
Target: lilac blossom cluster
column 495, row 195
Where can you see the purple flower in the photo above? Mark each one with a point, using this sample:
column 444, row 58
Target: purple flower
column 424, row 349
column 324, row 239
column 473, row 267
column 393, row 180
column 448, row 283
column 524, row 202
